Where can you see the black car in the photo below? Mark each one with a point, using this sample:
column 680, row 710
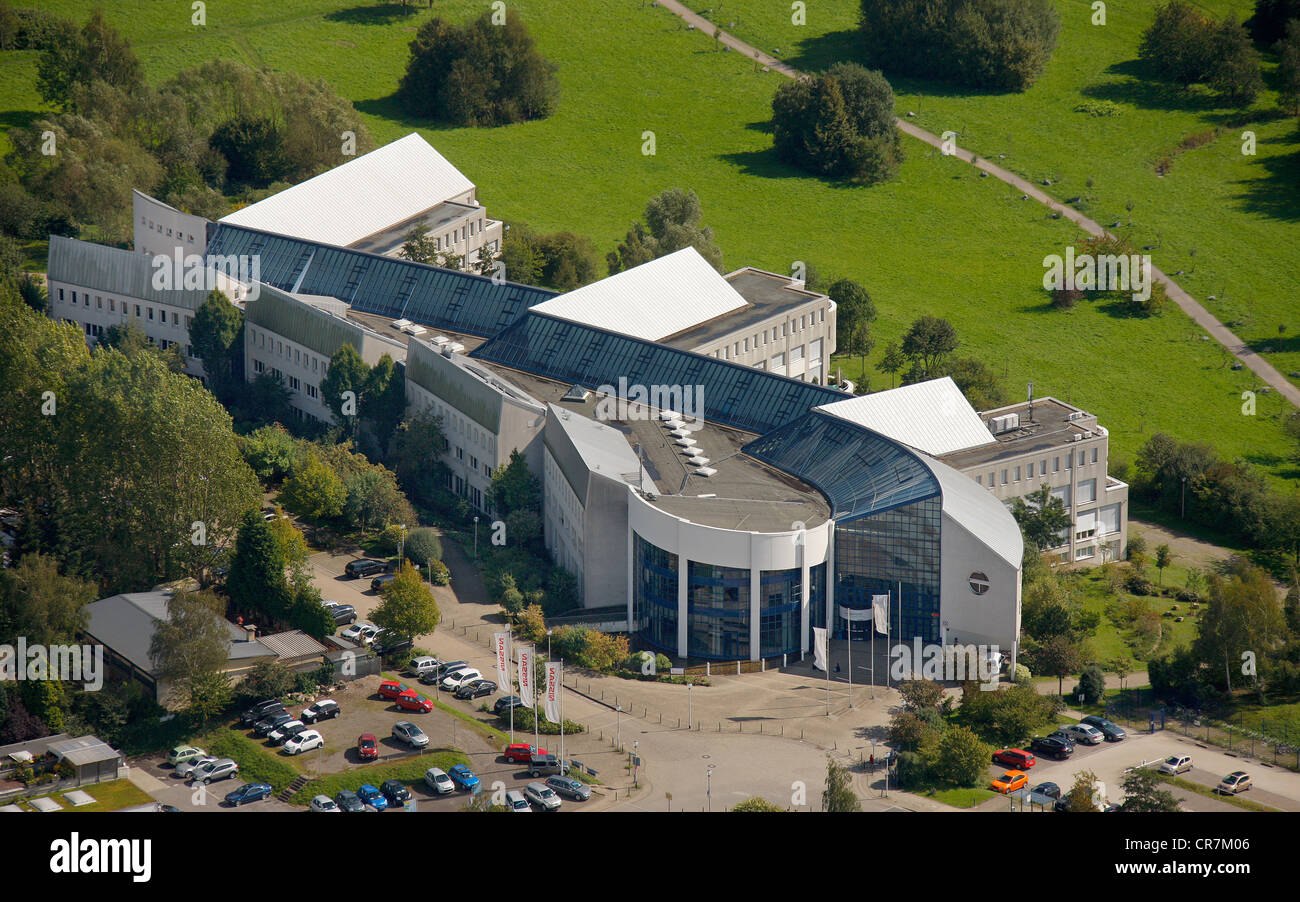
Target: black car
column 267, row 708
column 386, row 644
column 476, row 689
column 1051, row 747
column 1051, row 790
column 1112, row 732
column 434, row 676
column 343, row 614
column 382, row 580
column 267, row 724
column 506, row 702
column 395, row 792
column 1063, row 736
column 325, row 708
column 286, row 732
column 363, row 567
column 347, row 800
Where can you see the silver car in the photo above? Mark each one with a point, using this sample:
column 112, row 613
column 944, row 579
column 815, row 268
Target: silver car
column 542, row 796
column 407, row 732
column 220, row 769
column 185, row 768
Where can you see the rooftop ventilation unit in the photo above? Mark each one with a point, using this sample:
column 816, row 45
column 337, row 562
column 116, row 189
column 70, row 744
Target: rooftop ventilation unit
column 401, row 323
column 673, row 425
column 576, row 393
column 705, row 471
column 1004, row 423
column 686, row 442
column 668, row 415
column 439, row 340
column 413, row 329
column 455, row 347
column 1077, row 415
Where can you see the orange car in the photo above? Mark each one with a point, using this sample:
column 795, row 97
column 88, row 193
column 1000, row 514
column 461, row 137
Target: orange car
column 1010, row 781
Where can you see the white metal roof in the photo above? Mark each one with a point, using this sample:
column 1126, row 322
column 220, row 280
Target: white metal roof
column 979, row 512
column 651, row 301
column 387, row 186
column 933, row 417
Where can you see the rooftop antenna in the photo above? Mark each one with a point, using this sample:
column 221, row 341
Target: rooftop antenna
column 1031, row 401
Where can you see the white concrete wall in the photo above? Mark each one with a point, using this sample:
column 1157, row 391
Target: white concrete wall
column 965, row 617
column 160, row 229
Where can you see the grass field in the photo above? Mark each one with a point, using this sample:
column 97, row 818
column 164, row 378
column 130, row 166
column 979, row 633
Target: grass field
column 938, row 239
column 409, row 771
column 111, row 796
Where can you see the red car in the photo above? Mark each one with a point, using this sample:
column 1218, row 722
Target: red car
column 391, row 689
column 522, row 752
column 1017, row 758
column 367, row 747
column 410, row 700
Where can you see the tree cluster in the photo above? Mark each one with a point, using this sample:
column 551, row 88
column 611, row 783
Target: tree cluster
column 1185, row 46
column 478, row 74
column 838, row 124
column 927, row 352
column 560, row 260
column 672, row 221
column 999, row 44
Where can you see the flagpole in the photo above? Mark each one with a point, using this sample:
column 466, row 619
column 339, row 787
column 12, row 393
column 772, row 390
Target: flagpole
column 532, row 676
column 900, row 620
column 873, row 648
column 850, row 665
column 510, row 658
column 889, row 630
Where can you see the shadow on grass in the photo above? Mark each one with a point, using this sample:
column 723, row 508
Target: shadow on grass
column 388, row 108
column 383, row 14
column 1281, row 344
column 1276, row 193
column 1141, row 88
column 764, row 164
column 20, row 118
column 823, row 51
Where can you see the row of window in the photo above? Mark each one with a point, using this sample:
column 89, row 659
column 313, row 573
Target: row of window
column 1012, row 474
column 795, row 325
column 149, row 223
column 300, row 358
column 144, row 311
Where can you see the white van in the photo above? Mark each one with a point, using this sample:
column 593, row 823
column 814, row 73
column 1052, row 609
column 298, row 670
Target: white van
column 422, row 665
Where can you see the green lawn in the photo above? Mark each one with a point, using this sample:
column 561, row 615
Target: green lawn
column 409, row 771
column 937, row 239
column 256, row 764
column 960, row 798
column 111, row 796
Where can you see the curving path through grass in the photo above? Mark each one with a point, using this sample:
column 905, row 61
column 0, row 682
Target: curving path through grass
column 1188, row 304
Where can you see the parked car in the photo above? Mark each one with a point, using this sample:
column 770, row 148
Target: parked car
column 361, row 631
column 463, row 777
column 185, row 768
column 1010, row 781
column 543, row 764
column 249, row 792
column 184, row 753
column 391, row 689
column 284, row 731
column 421, row 665
column 363, row 567
column 212, row 771
column 325, row 804
column 476, row 689
column 1017, row 758
column 259, row 711
column 371, row 796
column 324, row 709
column 1052, row 747
column 542, row 796
column 405, row 731
column 454, row 681
column 434, row 677
column 268, row 725
column 395, row 791
column 570, row 788
column 1051, row 790
column 347, row 800
column 304, row 742
column 515, row 801
column 506, row 702
column 1082, row 732
column 343, row 614
column 367, row 747
column 386, row 643
column 1235, row 782
column 1176, row 764
column 1064, row 737
column 410, row 700
column 1111, row 731
column 522, row 752
column 382, row 580
column 436, row 779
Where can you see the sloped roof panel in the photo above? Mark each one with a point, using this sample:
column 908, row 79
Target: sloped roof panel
column 933, row 417
column 114, row 271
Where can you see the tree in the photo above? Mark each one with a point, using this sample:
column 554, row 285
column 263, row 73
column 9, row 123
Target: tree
column 422, row 546
column 373, row 498
column 39, row 603
column 1082, row 795
column 1235, row 70
column 210, row 695
column 419, row 246
column 191, row 645
column 957, row 757
column 1092, row 684
column 1268, row 24
column 1042, row 518
column 216, row 333
column 1059, row 656
column 1143, row 792
column 514, row 487
column 975, row 380
column 314, row 491
column 1177, row 44
column 757, row 803
column 928, row 341
column 838, row 124
column 1288, row 79
column 919, row 695
column 257, row 582
column 892, row 362
column 530, row 624
column 839, row 795
column 1122, row 666
column 347, row 373
column 1164, row 557
column 383, row 401
column 131, row 340
column 416, row 453
column 408, row 607
column 75, row 59
column 479, row 74
column 1243, row 615
column 673, row 218
column 254, row 148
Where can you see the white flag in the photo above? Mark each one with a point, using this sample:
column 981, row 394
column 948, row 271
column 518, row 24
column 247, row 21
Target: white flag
column 819, row 648
column 880, row 603
column 526, row 675
column 502, row 642
column 553, row 691
column 854, row 615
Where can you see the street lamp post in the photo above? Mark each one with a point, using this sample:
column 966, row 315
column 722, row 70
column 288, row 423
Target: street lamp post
column 689, row 712
column 708, row 785
column 476, row 538
column 618, row 720
column 548, row 645
column 401, row 546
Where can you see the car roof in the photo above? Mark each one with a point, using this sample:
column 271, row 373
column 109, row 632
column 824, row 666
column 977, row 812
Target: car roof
column 536, row 787
column 435, row 770
column 370, row 736
column 514, row 792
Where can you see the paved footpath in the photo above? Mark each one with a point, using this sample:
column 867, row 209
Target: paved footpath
column 1189, row 305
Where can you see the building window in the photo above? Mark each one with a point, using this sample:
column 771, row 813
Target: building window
column 1056, row 464
column 778, row 361
column 1030, row 473
column 1087, row 491
column 1004, row 477
column 259, row 366
column 1084, row 553
column 1017, row 474
column 979, row 480
column 311, row 391
column 294, row 383
column 60, row 294
column 137, row 309
column 796, row 353
column 1094, row 455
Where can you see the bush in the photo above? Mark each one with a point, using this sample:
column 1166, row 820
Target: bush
column 524, row 723
column 1099, row 108
column 1136, row 584
column 441, row 576
column 422, row 546
column 388, row 541
column 1093, row 684
column 999, row 44
column 270, row 679
column 1022, row 674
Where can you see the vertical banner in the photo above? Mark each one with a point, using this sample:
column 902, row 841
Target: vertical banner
column 526, row 675
column 502, row 640
column 819, row 648
column 880, row 607
column 553, row 691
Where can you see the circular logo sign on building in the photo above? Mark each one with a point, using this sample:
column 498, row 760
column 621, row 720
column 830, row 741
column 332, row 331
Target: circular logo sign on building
column 979, row 583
